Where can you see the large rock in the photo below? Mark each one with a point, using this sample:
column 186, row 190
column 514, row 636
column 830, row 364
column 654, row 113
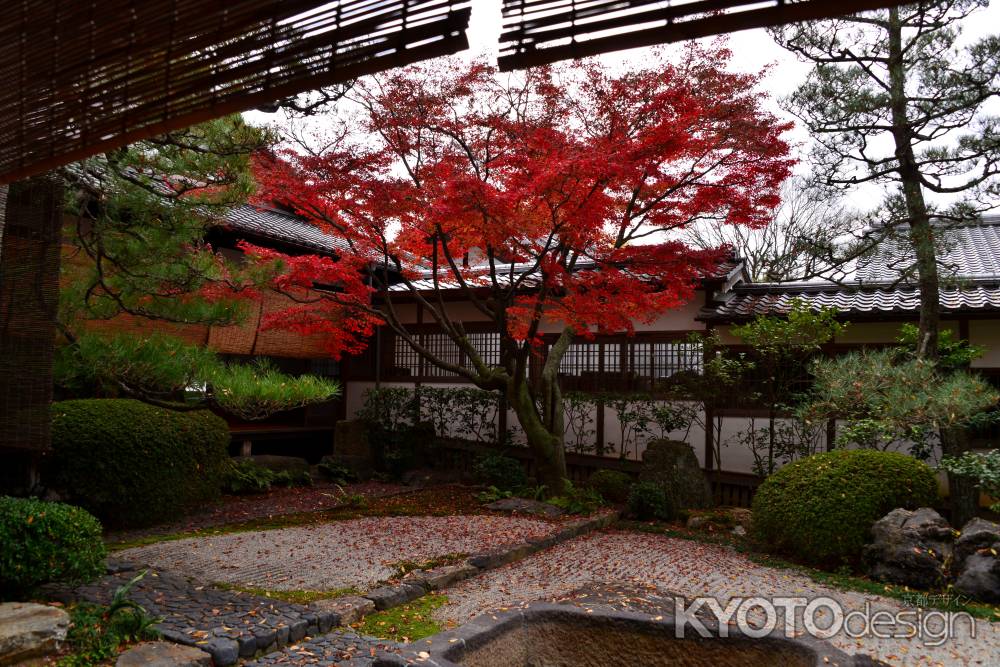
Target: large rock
column 977, row 560
column 30, row 631
column 163, row 654
column 911, row 548
column 673, row 465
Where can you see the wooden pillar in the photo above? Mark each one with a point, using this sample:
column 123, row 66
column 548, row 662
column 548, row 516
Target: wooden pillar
column 29, row 296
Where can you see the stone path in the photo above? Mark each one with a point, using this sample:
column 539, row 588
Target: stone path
column 356, row 553
column 336, row 648
column 226, row 624
column 694, row 569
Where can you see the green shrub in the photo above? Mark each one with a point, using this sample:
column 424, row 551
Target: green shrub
column 613, row 485
column 493, row 494
column 42, row 542
column 821, row 509
column 503, row 472
column 576, row 500
column 134, row 464
column 243, row 476
column 648, row 500
column 336, row 472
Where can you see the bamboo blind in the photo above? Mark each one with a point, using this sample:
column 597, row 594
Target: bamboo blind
column 85, row 76
column 538, row 32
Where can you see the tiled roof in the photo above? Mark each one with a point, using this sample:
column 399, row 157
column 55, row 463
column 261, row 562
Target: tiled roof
column 966, row 251
column 724, row 271
column 746, row 302
column 281, row 226
column 969, row 259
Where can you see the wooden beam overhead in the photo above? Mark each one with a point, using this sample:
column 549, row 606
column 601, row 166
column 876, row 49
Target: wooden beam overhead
column 540, row 32
column 86, row 76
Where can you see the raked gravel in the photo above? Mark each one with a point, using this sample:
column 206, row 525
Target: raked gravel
column 693, row 569
column 356, row 553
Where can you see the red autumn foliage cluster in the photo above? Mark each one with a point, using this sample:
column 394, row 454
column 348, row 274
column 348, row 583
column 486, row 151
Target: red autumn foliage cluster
column 547, row 196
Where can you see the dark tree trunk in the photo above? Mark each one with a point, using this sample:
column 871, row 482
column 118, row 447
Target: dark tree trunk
column 543, row 420
column 921, row 231
column 962, row 491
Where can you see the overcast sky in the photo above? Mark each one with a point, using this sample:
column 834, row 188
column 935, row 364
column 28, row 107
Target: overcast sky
column 754, row 50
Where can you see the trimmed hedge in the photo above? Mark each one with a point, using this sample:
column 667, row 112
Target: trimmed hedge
column 613, row 485
column 133, row 464
column 820, row 509
column 43, row 542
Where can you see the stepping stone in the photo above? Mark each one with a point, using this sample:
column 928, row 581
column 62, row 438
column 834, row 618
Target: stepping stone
column 388, row 597
column 348, row 609
column 525, row 506
column 29, row 630
column 163, row 654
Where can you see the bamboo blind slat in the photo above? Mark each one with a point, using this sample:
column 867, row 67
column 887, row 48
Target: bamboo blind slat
column 539, row 32
column 85, row 76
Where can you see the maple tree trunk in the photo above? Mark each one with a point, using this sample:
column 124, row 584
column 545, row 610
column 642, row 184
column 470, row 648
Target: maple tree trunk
column 543, row 420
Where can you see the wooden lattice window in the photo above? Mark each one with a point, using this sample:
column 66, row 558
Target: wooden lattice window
column 406, row 360
column 487, row 346
column 662, row 360
column 584, row 358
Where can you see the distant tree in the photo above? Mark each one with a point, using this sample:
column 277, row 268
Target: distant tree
column 807, row 220
column 142, row 216
column 780, row 347
column 895, row 99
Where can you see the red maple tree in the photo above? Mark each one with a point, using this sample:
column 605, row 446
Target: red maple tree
column 546, row 200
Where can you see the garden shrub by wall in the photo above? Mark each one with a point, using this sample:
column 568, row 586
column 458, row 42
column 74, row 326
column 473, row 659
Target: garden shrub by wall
column 820, row 509
column 613, row 485
column 133, row 464
column 43, row 542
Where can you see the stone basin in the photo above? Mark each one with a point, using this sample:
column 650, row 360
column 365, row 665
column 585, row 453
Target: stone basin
column 550, row 635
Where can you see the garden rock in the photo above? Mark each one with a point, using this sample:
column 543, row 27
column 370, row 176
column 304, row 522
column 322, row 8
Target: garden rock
column 977, row 560
column 163, row 654
column 292, row 464
column 348, row 609
column 444, row 576
column 910, row 548
column 524, row 506
column 29, row 630
column 388, row 597
column 673, row 465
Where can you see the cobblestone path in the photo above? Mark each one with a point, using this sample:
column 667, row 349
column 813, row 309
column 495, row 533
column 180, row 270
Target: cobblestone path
column 356, row 553
column 694, row 569
column 229, row 625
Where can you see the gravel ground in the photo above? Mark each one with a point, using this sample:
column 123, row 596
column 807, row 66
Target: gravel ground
column 694, row 569
column 355, row 553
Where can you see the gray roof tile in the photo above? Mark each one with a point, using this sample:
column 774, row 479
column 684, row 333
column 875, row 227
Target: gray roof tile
column 970, row 261
column 281, row 226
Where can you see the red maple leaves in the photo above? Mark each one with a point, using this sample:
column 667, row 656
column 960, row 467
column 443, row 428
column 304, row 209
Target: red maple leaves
column 548, row 197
